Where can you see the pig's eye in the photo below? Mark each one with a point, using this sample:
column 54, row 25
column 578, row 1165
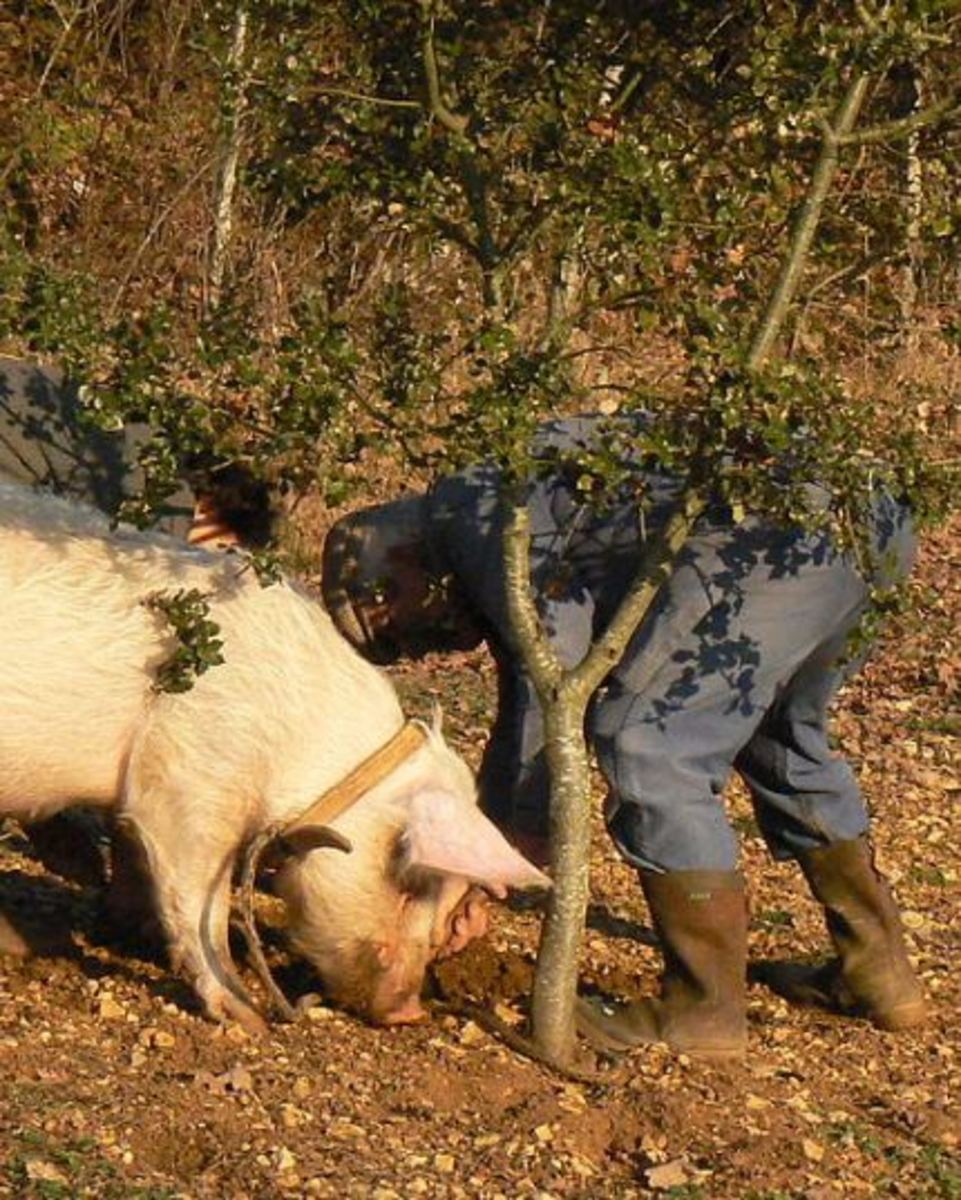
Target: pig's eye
column 421, row 885
column 413, row 881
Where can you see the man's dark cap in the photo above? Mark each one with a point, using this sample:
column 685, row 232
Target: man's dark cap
column 357, row 561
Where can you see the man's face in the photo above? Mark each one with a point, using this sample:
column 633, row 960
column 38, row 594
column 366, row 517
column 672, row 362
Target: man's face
column 411, row 612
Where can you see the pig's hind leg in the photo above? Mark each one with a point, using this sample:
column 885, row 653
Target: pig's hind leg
column 192, row 874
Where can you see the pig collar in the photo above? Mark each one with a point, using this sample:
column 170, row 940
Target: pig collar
column 361, row 779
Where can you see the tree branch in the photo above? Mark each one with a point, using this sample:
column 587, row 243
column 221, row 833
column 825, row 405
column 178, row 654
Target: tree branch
column 807, row 222
column 451, row 121
column 540, row 658
column 946, row 109
column 474, row 180
column 656, row 566
column 236, row 96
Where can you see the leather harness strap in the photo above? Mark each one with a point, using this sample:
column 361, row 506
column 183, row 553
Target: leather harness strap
column 361, row 779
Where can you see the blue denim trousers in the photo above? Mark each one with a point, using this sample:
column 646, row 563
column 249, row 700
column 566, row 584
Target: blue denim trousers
column 733, row 669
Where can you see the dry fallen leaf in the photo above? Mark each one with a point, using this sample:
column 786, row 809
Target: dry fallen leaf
column 813, row 1151
column 41, row 1171
column 668, row 1175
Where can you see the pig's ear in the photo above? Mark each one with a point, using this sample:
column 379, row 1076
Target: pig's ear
column 448, row 835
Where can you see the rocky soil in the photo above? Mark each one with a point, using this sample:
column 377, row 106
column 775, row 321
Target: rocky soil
column 111, row 1085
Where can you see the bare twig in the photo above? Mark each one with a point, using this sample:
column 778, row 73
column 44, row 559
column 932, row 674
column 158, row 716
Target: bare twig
column 152, row 232
column 383, row 101
column 68, row 24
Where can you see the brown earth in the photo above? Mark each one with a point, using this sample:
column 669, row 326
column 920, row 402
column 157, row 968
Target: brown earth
column 111, row 1085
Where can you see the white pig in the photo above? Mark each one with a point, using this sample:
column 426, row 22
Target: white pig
column 291, row 711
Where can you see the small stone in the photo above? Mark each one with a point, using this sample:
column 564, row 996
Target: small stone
column 510, row 1016
column 666, row 1176
column 109, row 1009
column 292, row 1117
column 285, row 1162
column 544, row 1134
column 237, row 1079
column 444, row 1163
column 347, row 1131
column 582, row 1167
column 813, row 1151
column 472, row 1034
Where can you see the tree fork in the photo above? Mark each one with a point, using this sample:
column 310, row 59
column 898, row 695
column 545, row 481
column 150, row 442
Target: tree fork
column 564, row 696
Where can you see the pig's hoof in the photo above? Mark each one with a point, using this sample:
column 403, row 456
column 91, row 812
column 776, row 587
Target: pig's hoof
column 245, row 1015
column 253, row 1023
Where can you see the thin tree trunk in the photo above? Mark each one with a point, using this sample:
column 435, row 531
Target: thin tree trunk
column 914, row 211
column 564, row 696
column 555, row 981
column 236, row 103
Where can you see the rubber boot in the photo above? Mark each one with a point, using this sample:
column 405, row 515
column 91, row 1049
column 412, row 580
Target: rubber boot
column 701, row 921
column 871, row 975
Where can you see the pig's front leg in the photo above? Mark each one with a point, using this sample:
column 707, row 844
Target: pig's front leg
column 192, row 884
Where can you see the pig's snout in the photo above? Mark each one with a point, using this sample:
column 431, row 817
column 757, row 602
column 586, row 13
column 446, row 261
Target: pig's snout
column 405, row 1012
column 396, row 1001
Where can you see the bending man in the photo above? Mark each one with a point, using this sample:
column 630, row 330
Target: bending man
column 733, row 669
